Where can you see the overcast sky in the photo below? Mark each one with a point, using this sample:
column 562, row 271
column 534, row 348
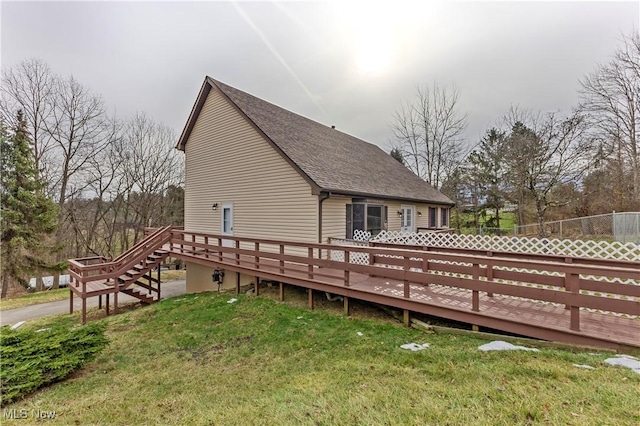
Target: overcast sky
column 343, row 64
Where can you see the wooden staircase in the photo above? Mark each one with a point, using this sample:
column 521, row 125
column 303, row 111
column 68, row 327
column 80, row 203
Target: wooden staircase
column 98, row 276
column 130, row 282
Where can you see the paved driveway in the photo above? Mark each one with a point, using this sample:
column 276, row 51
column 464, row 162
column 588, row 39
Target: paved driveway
column 12, row 316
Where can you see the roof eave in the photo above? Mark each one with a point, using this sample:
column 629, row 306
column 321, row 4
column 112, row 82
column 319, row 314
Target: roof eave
column 195, row 112
column 383, row 197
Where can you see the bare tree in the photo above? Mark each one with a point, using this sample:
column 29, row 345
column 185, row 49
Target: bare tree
column 80, row 129
column 151, row 165
column 610, row 96
column 29, row 87
column 543, row 152
column 428, row 133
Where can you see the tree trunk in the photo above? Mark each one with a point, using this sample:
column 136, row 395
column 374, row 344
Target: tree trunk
column 5, row 286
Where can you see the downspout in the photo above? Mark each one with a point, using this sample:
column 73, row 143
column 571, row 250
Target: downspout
column 321, row 200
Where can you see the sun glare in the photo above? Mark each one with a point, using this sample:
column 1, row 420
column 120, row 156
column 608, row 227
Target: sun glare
column 379, row 34
column 373, row 55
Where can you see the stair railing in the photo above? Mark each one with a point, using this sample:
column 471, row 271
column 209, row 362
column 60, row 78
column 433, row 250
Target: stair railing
column 99, row 268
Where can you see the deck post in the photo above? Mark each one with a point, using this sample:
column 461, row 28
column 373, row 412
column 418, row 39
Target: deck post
column 159, row 282
column 281, row 260
column 70, row 301
column 256, row 257
column 407, row 318
column 237, row 254
column 115, row 298
column 237, row 282
column 206, row 250
column 345, row 306
column 489, row 271
column 405, row 269
column 219, row 249
column 572, row 284
column 425, row 266
column 281, row 292
column 347, row 260
column 310, row 298
column 310, row 265
column 107, row 303
column 256, row 287
column 475, row 294
column 84, row 309
column 100, row 302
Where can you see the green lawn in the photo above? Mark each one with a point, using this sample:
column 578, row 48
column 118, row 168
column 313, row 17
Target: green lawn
column 33, row 298
column 200, row 360
column 63, row 293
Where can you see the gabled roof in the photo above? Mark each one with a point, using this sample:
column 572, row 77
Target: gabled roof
column 330, row 160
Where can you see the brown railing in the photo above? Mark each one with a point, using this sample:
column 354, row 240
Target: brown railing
column 90, row 269
column 527, row 275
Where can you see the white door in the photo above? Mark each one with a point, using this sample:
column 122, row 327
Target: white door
column 226, row 223
column 407, row 220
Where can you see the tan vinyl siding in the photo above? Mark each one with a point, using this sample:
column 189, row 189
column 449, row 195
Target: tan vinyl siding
column 334, row 214
column 227, row 160
column 199, row 279
column 420, row 221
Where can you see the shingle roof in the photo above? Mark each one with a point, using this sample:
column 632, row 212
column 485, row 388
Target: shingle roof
column 335, row 161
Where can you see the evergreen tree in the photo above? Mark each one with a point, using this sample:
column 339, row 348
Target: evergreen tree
column 27, row 216
column 486, row 162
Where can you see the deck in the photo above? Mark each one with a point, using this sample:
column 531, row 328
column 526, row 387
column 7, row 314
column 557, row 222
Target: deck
column 560, row 299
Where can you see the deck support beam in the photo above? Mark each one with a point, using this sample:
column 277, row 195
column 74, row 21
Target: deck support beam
column 84, row 310
column 345, row 306
column 281, row 292
column 70, row 301
column 256, row 286
column 310, row 298
column 407, row 318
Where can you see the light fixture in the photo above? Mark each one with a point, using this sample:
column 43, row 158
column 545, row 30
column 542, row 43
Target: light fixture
column 399, row 212
column 215, row 206
column 419, row 213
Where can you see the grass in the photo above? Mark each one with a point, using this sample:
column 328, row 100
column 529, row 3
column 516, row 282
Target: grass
column 63, row 293
column 34, row 298
column 200, row 360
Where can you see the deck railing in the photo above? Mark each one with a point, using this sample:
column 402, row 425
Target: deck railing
column 90, row 269
column 539, row 278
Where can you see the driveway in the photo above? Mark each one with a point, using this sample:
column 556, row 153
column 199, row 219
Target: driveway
column 12, row 316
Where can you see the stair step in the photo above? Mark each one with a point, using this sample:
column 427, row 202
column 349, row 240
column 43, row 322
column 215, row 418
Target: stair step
column 161, row 252
column 139, row 267
column 132, row 272
column 141, row 294
column 125, row 278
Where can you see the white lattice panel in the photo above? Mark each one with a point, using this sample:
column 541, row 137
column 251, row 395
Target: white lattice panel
column 561, row 247
column 575, row 248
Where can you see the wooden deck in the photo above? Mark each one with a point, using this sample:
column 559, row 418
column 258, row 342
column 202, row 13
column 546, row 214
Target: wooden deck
column 504, row 293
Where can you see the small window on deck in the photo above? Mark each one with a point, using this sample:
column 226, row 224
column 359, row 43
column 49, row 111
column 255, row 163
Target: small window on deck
column 433, row 217
column 444, row 220
column 367, row 217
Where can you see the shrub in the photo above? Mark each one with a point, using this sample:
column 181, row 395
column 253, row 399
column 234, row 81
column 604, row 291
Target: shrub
column 30, row 360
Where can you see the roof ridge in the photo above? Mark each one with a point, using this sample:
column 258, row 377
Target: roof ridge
column 329, row 159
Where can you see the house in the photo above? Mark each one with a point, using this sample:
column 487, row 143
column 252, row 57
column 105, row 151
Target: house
column 257, row 170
